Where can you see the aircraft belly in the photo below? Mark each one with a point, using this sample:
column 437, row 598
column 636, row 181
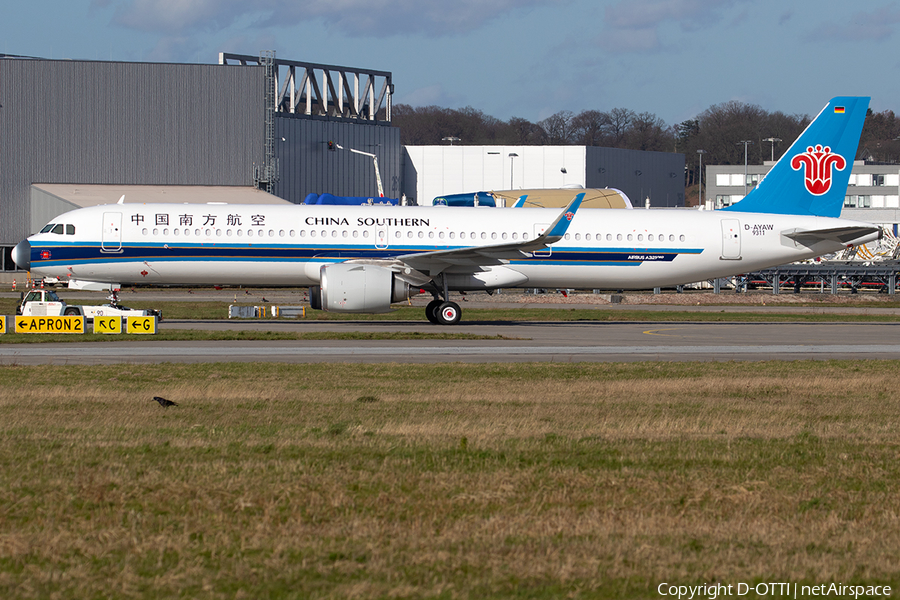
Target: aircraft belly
column 195, row 273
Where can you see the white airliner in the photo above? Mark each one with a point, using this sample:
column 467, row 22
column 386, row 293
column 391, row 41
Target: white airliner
column 363, row 258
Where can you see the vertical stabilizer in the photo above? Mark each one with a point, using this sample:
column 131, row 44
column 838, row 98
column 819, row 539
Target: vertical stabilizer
column 811, row 178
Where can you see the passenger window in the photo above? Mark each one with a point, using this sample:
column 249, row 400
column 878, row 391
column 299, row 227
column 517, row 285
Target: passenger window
column 70, row 230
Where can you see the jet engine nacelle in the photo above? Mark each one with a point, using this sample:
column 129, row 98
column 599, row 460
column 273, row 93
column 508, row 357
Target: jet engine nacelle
column 349, row 287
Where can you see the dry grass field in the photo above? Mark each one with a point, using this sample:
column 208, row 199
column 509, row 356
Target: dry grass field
column 445, row 481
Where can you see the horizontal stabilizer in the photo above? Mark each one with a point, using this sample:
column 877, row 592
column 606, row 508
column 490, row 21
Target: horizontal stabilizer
column 843, row 235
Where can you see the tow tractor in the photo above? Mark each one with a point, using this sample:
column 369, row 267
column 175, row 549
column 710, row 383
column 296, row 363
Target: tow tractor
column 44, row 303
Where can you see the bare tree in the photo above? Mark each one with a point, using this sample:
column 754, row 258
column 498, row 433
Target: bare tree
column 590, row 127
column 649, row 132
column 559, row 128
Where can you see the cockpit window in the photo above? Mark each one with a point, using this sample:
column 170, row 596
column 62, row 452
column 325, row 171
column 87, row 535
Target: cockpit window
column 58, row 229
column 47, row 227
column 70, row 230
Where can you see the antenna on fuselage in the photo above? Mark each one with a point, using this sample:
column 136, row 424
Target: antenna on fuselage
column 121, row 200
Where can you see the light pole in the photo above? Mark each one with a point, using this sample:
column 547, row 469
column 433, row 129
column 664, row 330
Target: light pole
column 512, row 157
column 745, row 143
column 701, row 153
column 772, row 140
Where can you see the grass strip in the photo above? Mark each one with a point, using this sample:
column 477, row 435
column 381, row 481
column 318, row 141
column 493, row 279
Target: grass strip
column 446, row 480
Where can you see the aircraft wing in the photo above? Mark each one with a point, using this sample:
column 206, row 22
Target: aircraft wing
column 481, row 256
column 842, row 235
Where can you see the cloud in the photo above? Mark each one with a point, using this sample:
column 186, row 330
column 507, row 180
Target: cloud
column 174, row 48
column 875, row 25
column 633, row 25
column 433, row 95
column 375, row 18
column 638, row 40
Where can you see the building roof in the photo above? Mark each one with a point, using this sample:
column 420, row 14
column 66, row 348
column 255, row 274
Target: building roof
column 94, row 195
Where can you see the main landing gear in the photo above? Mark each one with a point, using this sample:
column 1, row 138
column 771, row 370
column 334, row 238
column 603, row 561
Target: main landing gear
column 441, row 311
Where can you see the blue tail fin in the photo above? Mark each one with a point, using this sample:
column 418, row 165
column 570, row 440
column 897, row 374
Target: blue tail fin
column 811, row 178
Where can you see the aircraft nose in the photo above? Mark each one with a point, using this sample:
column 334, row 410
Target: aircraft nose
column 21, row 255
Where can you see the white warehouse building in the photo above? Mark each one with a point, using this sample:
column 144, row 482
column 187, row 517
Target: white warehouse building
column 434, row 171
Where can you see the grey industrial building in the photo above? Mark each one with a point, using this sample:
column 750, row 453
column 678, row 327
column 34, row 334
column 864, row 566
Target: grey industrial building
column 245, row 122
column 73, row 133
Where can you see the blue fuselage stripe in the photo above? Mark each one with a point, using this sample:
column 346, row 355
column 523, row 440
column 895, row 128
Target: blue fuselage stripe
column 80, row 254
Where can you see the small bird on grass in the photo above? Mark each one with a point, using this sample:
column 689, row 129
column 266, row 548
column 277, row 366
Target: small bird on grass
column 163, row 402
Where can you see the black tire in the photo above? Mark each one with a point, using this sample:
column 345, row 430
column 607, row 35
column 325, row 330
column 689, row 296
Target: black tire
column 431, row 311
column 71, row 312
column 449, row 313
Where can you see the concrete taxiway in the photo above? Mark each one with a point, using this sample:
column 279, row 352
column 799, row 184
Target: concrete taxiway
column 517, row 342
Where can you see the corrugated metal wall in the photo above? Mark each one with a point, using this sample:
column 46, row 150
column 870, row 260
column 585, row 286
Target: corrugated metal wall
column 641, row 175
column 124, row 123
column 307, row 166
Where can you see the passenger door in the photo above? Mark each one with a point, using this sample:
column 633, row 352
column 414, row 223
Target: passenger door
column 731, row 239
column 111, row 238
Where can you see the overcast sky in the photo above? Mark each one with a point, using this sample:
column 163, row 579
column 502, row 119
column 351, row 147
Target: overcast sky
column 522, row 58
